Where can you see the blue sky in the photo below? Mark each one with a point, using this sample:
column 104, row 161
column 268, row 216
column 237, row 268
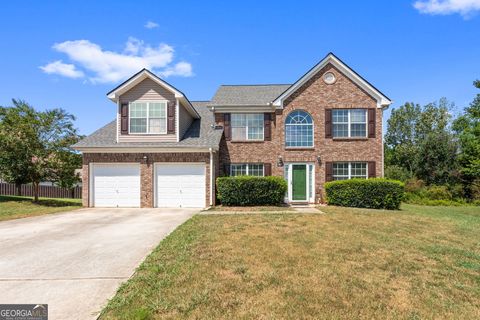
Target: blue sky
column 69, row 54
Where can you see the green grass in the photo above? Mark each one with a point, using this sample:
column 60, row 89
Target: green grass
column 13, row 207
column 417, row 263
column 235, row 209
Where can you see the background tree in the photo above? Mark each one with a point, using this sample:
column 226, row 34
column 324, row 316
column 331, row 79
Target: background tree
column 400, row 138
column 437, row 159
column 16, row 128
column 467, row 127
column 44, row 137
column 66, row 162
column 419, row 142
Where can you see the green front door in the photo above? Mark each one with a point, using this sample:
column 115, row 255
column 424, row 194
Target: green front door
column 299, row 182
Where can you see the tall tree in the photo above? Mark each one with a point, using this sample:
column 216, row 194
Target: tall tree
column 43, row 137
column 411, row 134
column 16, row 128
column 437, row 158
column 400, row 138
column 467, row 126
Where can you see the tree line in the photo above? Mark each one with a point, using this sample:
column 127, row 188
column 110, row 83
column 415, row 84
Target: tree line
column 35, row 146
column 428, row 144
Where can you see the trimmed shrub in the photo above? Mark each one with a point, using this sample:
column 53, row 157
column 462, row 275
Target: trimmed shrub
column 376, row 193
column 251, row 191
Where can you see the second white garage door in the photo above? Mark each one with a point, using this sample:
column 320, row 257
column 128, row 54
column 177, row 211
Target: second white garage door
column 180, row 185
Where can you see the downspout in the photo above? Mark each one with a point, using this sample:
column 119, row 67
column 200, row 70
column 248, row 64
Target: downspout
column 383, row 146
column 211, row 176
column 118, row 118
column 177, row 119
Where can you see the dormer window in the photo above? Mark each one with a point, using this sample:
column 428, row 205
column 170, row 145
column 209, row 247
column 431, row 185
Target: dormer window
column 148, row 117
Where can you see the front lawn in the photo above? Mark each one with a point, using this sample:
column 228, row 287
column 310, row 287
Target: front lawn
column 12, row 207
column 235, row 209
column 421, row 262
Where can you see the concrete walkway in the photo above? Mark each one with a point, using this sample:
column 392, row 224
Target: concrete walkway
column 306, row 209
column 75, row 261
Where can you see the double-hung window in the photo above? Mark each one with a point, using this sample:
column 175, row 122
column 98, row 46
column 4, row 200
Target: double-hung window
column 148, row 117
column 247, row 169
column 349, row 170
column 247, row 126
column 349, row 123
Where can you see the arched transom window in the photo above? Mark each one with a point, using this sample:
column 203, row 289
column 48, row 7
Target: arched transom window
column 299, row 129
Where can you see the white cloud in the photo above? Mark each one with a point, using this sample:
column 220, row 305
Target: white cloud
column 182, row 69
column 103, row 66
column 466, row 8
column 151, row 25
column 63, row 69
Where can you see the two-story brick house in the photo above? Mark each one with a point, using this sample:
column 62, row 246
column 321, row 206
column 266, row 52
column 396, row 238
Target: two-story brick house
column 166, row 151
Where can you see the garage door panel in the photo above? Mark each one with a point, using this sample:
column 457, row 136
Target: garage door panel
column 116, row 185
column 180, row 185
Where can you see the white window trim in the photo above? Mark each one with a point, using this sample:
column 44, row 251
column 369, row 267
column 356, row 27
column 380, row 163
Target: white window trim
column 303, row 124
column 247, row 173
column 349, row 176
column 349, row 123
column 148, row 117
column 247, row 127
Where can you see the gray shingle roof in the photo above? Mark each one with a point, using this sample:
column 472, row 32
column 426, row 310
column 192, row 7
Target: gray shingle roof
column 238, row 95
column 199, row 135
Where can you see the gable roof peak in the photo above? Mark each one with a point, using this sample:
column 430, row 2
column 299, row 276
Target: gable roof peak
column 382, row 100
column 143, row 74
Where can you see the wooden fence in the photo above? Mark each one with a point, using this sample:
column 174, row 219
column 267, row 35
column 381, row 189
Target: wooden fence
column 9, row 189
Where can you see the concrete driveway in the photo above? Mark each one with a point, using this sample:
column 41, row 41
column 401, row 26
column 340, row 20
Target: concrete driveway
column 75, row 261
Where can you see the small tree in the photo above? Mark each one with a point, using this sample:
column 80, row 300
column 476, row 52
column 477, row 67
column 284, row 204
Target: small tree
column 44, row 139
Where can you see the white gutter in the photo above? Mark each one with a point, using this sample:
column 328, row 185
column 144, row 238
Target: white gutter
column 211, row 176
column 141, row 149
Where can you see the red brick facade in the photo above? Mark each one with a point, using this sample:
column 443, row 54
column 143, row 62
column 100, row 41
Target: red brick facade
column 314, row 97
column 146, row 170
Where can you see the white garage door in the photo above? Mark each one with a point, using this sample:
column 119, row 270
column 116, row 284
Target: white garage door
column 116, row 185
column 180, row 185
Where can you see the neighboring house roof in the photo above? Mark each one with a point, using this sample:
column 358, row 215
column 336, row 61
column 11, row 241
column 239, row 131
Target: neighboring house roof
column 247, row 95
column 201, row 134
column 382, row 100
column 144, row 74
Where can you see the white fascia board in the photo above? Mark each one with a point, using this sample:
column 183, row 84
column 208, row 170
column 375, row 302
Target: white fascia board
column 243, row 109
column 382, row 101
column 114, row 95
column 145, row 150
